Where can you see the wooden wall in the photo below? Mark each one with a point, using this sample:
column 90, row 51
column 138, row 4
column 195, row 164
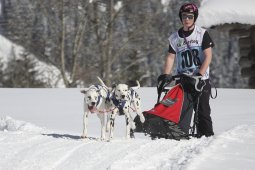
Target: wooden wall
column 246, row 36
column 247, row 55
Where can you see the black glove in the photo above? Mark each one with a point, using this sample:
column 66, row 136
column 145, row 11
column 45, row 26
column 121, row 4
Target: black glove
column 165, row 78
column 162, row 80
column 198, row 74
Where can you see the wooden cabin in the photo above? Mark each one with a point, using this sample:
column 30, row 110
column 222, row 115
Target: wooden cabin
column 238, row 19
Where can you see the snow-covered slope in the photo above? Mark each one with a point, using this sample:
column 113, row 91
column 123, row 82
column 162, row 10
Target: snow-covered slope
column 48, row 73
column 51, row 138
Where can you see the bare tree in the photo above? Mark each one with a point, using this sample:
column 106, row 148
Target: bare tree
column 53, row 31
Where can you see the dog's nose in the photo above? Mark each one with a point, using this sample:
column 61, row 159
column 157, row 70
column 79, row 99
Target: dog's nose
column 93, row 103
column 123, row 96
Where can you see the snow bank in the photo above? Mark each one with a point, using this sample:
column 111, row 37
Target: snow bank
column 9, row 124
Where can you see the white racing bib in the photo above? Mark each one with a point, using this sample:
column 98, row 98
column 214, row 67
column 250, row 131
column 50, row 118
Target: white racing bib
column 186, row 62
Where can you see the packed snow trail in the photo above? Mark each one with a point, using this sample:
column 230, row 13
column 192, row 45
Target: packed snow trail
column 26, row 150
column 25, row 146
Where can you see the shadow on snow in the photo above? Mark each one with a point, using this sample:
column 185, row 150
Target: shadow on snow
column 67, row 136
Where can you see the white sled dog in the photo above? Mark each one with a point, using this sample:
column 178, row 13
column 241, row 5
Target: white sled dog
column 95, row 102
column 123, row 101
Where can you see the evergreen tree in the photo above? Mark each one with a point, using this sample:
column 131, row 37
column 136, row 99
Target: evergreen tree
column 21, row 73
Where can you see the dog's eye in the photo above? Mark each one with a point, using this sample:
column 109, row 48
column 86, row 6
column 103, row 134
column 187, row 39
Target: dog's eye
column 118, row 90
column 89, row 97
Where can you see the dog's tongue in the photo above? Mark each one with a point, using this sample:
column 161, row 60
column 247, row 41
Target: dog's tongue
column 92, row 109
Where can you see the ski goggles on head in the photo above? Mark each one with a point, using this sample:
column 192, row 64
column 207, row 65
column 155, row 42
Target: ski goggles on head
column 187, row 16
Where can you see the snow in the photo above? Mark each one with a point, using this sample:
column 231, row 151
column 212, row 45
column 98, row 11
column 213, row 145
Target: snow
column 41, row 128
column 118, row 6
column 217, row 12
column 165, row 3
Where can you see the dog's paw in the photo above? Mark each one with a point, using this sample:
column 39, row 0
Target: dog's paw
column 102, row 138
column 83, row 136
column 108, row 139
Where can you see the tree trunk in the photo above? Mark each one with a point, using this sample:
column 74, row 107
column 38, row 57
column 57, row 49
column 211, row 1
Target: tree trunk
column 62, row 48
column 108, row 73
column 77, row 44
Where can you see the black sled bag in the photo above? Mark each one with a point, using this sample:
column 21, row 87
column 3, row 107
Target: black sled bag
column 170, row 118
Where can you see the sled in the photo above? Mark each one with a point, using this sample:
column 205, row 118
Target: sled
column 171, row 117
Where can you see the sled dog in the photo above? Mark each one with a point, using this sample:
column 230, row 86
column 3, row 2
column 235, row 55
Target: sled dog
column 95, row 101
column 123, row 101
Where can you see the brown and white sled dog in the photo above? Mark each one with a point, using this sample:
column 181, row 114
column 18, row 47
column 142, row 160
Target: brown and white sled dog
column 95, row 102
column 123, row 101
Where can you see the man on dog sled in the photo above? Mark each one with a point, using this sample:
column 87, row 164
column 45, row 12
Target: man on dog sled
column 171, row 118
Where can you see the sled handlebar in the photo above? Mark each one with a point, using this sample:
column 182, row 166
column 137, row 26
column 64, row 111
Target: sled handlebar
column 161, row 88
column 196, row 78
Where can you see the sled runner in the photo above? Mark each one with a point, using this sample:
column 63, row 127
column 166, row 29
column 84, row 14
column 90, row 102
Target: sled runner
column 171, row 117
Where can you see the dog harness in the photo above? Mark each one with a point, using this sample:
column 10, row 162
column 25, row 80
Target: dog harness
column 118, row 103
column 108, row 98
column 100, row 96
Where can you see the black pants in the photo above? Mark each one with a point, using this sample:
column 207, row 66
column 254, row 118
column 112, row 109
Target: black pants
column 204, row 125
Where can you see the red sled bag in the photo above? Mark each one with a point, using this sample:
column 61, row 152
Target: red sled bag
column 171, row 106
column 171, row 118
